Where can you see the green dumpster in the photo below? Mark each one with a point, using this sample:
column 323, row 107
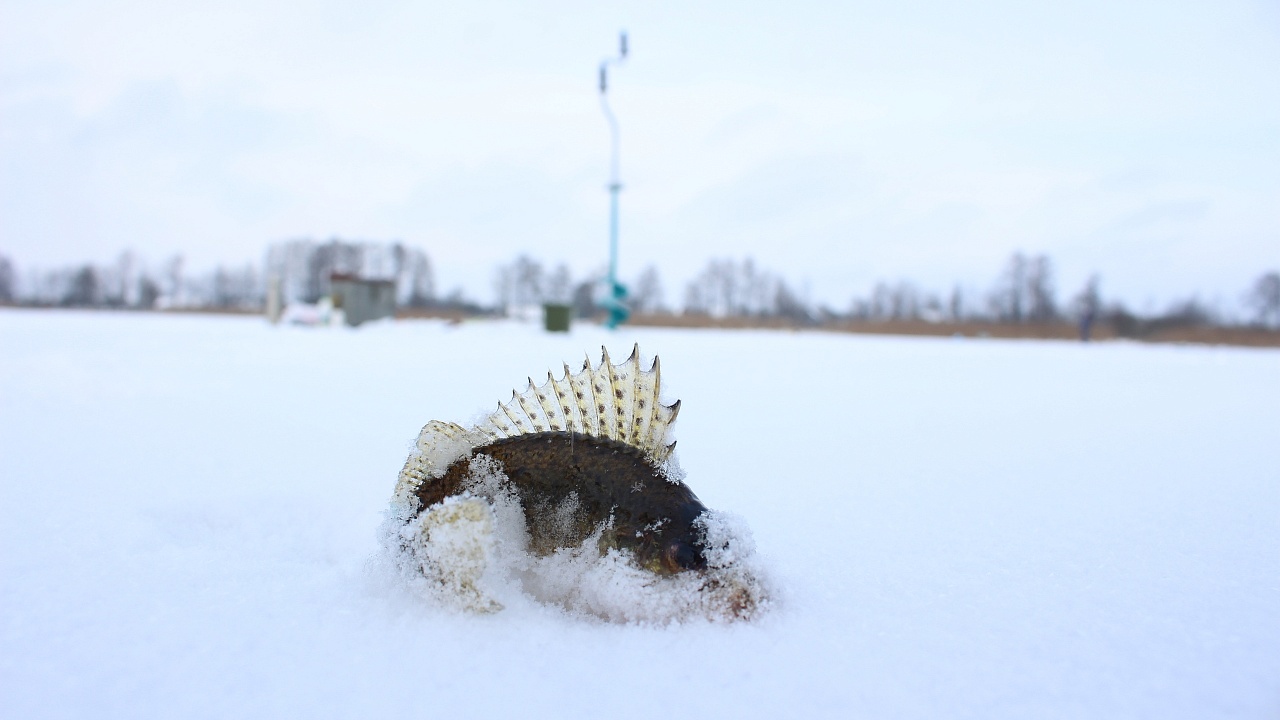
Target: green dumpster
column 556, row 317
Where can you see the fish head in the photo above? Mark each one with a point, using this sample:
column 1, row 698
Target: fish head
column 673, row 543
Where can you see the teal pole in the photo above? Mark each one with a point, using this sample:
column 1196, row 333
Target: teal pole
column 613, row 241
column 615, row 302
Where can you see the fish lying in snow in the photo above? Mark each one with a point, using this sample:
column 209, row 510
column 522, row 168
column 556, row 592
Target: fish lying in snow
column 587, row 458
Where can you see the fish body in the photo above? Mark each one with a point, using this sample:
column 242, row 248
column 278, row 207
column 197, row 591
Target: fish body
column 570, row 484
column 587, row 457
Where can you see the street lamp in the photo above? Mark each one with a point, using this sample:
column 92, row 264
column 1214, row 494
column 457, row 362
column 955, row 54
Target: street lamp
column 617, row 291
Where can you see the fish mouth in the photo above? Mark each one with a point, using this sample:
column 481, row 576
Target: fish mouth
column 679, row 556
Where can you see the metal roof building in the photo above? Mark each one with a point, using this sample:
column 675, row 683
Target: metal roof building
column 362, row 300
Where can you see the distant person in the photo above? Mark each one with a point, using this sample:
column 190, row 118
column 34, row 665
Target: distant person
column 1088, row 302
column 1086, row 324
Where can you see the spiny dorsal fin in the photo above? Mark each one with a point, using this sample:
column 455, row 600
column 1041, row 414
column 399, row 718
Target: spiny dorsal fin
column 587, row 416
column 550, row 403
column 619, row 402
column 602, row 387
column 625, row 377
column 646, row 401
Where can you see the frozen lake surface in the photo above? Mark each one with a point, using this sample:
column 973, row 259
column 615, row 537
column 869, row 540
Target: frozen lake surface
column 959, row 528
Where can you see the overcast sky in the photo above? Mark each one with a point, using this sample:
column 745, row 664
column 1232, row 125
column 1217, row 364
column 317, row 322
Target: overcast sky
column 837, row 143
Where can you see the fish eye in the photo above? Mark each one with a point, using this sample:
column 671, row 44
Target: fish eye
column 680, row 555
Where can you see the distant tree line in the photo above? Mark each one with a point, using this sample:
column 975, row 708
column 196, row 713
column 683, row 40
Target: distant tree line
column 1024, row 290
column 129, row 282
column 301, row 269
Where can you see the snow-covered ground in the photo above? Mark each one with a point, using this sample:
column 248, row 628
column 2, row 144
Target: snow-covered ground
column 959, row 528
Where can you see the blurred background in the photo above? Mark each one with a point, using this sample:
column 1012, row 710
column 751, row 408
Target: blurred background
column 814, row 159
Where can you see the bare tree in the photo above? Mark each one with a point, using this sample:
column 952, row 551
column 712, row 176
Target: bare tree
column 503, row 286
column 891, row 302
column 415, row 283
column 1025, row 290
column 1007, row 299
column 231, row 288
column 1188, row 312
column 714, row 291
column 527, row 281
column 520, row 284
column 584, row 298
column 148, row 292
column 646, row 295
column 173, row 276
column 955, row 306
column 85, row 288
column 722, row 285
column 115, row 281
column 931, row 308
column 755, row 290
column 727, row 288
column 558, row 285
column 1040, row 302
column 788, row 304
column 422, row 281
column 1264, row 298
column 7, row 281
column 705, row 294
column 904, row 302
column 222, row 294
column 880, row 303
column 696, row 301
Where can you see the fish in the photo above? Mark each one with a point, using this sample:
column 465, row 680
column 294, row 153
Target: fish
column 588, row 455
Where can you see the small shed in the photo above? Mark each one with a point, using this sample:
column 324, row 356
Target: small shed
column 362, row 300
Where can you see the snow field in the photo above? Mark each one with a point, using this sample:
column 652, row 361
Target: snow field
column 958, row 528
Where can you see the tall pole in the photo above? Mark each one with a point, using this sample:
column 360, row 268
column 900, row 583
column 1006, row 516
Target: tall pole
column 618, row 312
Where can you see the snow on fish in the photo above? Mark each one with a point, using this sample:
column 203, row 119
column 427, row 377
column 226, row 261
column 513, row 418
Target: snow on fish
column 570, row 494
